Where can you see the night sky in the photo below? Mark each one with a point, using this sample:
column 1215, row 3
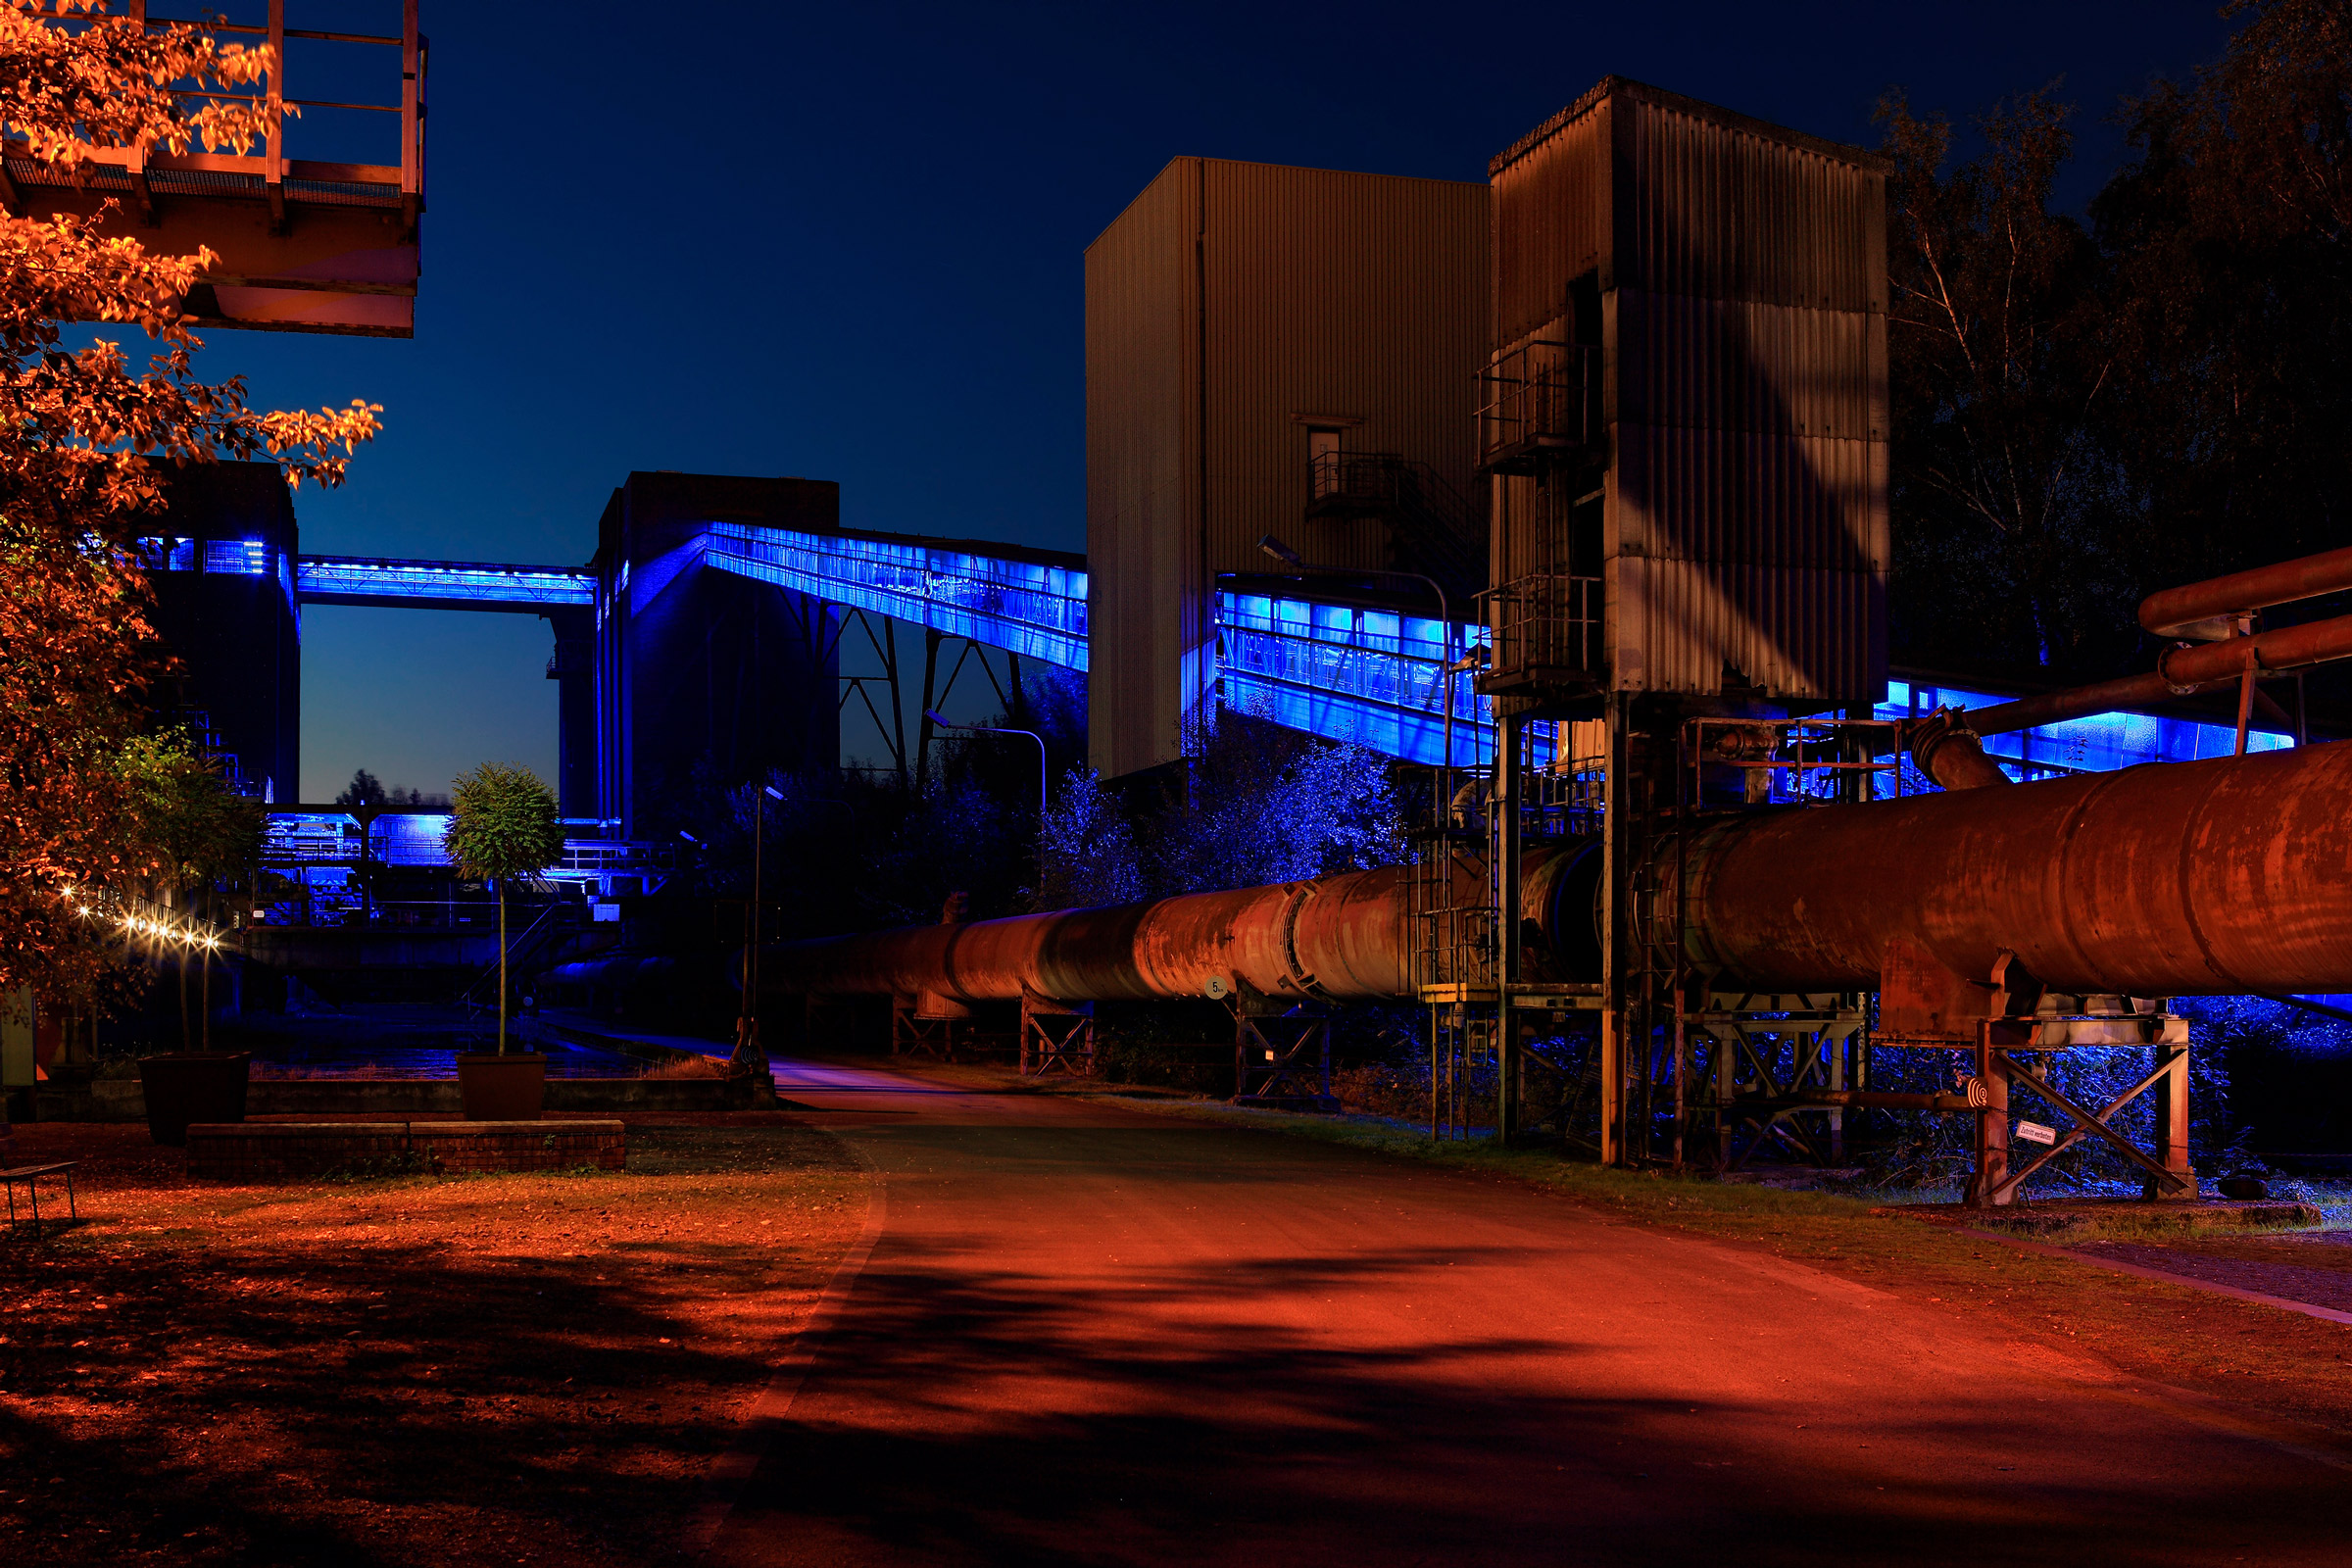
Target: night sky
column 845, row 242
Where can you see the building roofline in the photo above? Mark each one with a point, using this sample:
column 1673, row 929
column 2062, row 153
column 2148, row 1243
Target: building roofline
column 1729, row 119
column 1257, row 163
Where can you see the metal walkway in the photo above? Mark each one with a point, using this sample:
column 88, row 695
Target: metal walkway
column 1370, row 677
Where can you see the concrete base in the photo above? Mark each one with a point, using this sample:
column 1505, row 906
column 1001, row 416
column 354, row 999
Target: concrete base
column 264, row 1150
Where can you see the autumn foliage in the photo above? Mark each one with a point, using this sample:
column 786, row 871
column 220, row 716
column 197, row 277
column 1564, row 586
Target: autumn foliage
column 87, row 437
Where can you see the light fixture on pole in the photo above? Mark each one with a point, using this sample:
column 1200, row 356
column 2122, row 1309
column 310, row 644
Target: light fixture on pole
column 747, row 1028
column 991, row 729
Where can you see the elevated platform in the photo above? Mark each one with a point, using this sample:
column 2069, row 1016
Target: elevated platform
column 306, row 245
column 1355, row 667
column 440, row 584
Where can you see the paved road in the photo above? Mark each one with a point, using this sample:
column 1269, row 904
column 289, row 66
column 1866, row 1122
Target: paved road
column 1087, row 1335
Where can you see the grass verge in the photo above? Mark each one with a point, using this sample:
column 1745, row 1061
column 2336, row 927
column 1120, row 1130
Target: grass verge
column 475, row 1369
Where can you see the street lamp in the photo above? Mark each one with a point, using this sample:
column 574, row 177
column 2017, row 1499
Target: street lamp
column 1448, row 662
column 991, row 729
column 747, row 1028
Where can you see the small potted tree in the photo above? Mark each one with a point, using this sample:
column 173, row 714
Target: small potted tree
column 503, row 824
column 195, row 835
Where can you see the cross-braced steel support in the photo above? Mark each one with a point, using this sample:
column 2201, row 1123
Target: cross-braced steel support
column 913, row 1035
column 1056, row 1037
column 825, row 626
column 1282, row 1060
column 937, row 691
column 1770, row 1071
column 2013, row 1055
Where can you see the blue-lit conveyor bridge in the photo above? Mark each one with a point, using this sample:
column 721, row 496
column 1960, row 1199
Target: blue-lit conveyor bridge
column 1345, row 672
column 1367, row 675
column 440, row 584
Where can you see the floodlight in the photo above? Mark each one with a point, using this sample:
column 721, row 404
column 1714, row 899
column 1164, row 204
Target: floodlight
column 1281, row 552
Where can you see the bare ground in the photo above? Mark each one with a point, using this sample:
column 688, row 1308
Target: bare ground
column 515, row 1368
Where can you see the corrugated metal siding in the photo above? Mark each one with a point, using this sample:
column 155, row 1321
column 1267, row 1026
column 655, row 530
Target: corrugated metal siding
column 1743, row 211
column 1743, row 333
column 1148, row 609
column 1228, row 300
column 1551, row 223
column 1359, row 295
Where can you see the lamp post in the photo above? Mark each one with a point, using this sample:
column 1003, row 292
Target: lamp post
column 1449, row 666
column 747, row 1032
column 1445, row 660
column 991, row 729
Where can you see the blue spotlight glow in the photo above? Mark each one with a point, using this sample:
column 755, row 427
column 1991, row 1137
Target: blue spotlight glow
column 1032, row 609
column 2097, row 743
column 363, row 581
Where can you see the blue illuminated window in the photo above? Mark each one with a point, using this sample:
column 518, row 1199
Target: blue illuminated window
column 1031, row 609
column 243, row 557
column 463, row 581
column 2097, row 743
column 1370, row 677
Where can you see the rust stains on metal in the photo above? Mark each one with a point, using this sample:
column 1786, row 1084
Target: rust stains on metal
column 1338, row 937
column 1948, row 752
column 2178, row 612
column 2177, row 673
column 1732, row 275
column 2219, row 877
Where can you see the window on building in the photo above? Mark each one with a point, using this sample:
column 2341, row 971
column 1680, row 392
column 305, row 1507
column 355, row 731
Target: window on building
column 1323, row 461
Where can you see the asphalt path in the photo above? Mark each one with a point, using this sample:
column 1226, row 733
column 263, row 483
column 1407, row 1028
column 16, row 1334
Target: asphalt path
column 1087, row 1335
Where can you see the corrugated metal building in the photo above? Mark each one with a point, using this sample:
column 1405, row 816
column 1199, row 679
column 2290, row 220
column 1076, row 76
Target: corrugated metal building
column 1687, row 403
column 1268, row 350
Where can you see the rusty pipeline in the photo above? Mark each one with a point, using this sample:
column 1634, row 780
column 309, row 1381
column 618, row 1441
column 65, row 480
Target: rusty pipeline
column 1337, row 937
column 2220, row 877
column 1949, row 751
column 2180, row 671
column 2189, row 611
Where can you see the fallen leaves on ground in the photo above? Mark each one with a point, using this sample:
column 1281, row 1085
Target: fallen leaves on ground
column 476, row 1369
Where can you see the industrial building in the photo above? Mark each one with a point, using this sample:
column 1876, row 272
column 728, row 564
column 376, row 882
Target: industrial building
column 1680, row 420
column 1604, row 438
column 225, row 602
column 1269, row 350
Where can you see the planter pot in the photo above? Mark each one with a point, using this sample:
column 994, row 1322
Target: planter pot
column 193, row 1087
column 509, row 1088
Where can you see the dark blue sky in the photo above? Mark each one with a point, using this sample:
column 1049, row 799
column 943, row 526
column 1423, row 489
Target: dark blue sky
column 845, row 242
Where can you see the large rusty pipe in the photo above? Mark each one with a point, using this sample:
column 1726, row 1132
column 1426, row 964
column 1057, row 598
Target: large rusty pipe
column 2180, row 671
column 2174, row 610
column 1341, row 938
column 2221, row 877
column 1948, row 752
column 1334, row 937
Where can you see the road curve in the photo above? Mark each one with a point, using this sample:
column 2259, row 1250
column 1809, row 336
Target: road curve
column 1087, row 1335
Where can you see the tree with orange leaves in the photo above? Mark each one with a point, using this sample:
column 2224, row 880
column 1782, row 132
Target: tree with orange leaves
column 86, row 438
